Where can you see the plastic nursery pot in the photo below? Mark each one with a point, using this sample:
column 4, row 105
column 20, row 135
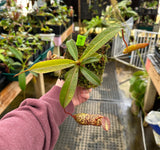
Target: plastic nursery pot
column 10, row 76
column 71, row 20
column 145, row 27
column 41, row 18
column 157, row 51
column 54, row 8
column 3, row 81
column 57, row 29
column 35, row 30
column 96, row 67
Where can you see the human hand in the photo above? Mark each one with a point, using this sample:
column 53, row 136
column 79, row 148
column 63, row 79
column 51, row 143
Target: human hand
column 80, row 96
column 59, row 83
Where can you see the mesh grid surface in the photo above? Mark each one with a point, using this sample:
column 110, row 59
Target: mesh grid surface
column 82, row 137
column 85, row 137
column 109, row 88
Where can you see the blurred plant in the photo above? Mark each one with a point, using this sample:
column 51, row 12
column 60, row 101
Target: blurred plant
column 116, row 13
column 46, row 29
column 138, row 81
column 119, row 11
column 16, row 51
column 150, row 5
column 147, row 20
column 138, row 84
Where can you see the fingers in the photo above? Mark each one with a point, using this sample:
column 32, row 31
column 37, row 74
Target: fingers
column 59, row 83
column 85, row 91
column 85, row 94
column 81, row 95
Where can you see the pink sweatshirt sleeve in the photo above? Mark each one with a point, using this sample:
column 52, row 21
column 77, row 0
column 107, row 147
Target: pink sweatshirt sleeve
column 34, row 125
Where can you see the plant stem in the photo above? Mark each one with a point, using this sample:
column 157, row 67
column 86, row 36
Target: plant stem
column 69, row 113
column 141, row 60
column 124, row 39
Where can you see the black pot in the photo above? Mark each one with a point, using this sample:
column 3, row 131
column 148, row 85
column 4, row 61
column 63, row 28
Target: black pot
column 35, row 30
column 157, row 51
column 4, row 31
column 41, row 18
column 154, row 12
column 16, row 27
column 57, row 29
column 49, row 17
column 53, row 8
column 142, row 11
column 32, row 16
column 145, row 27
column 48, row 3
column 47, row 46
column 3, row 81
column 1, row 29
column 71, row 19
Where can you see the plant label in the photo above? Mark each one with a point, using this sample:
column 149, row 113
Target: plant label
column 80, row 40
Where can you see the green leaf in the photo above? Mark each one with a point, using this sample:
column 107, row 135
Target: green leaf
column 52, row 65
column 143, row 86
column 136, row 86
column 2, row 50
column 94, row 58
column 17, row 53
column 22, row 81
column 16, row 63
column 139, row 73
column 69, row 87
column 90, row 76
column 2, row 58
column 100, row 40
column 133, row 79
column 72, row 48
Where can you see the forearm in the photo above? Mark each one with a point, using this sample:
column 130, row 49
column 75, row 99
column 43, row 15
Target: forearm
column 34, row 125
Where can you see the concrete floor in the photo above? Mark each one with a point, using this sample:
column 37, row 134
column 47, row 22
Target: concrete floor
column 132, row 123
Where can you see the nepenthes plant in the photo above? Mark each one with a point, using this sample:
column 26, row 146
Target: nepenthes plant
column 77, row 66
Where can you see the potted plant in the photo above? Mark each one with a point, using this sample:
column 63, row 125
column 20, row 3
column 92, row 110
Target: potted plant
column 80, row 57
column 44, row 16
column 56, row 24
column 19, row 51
column 78, row 64
column 138, row 81
column 82, row 65
column 138, row 84
column 146, row 23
